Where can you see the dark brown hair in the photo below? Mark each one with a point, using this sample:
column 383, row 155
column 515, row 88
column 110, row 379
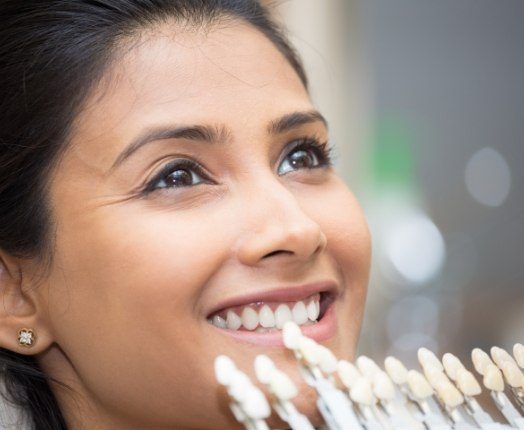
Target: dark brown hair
column 52, row 52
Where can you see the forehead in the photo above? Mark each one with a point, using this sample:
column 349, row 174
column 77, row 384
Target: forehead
column 229, row 73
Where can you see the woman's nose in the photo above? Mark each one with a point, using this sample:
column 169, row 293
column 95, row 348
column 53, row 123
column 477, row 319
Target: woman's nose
column 277, row 226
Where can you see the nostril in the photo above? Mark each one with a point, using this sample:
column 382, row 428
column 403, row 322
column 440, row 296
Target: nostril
column 277, row 252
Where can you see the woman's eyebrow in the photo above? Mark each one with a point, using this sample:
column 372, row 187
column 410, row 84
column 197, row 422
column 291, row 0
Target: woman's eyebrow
column 214, row 133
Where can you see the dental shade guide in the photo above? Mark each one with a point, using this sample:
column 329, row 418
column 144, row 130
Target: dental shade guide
column 441, row 397
column 283, row 390
column 493, row 381
column 248, row 404
column 334, row 406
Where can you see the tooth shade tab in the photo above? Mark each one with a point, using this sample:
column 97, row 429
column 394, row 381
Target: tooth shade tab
column 239, row 385
column 367, row 367
column 383, row 387
column 281, row 386
column 480, row 360
column 224, row 369
column 326, row 360
column 396, row 370
column 449, row 394
column 255, row 404
column 452, row 365
column 500, row 355
column 348, row 373
column 518, row 353
column 512, row 374
column 467, row 383
column 428, row 358
column 361, row 392
column 493, row 378
column 291, row 335
column 264, row 367
column 308, row 349
column 435, row 376
column 418, row 385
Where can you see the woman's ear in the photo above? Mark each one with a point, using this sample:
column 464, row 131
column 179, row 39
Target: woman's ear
column 23, row 321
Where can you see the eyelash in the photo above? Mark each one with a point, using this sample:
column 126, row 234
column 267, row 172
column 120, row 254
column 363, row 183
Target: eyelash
column 323, row 151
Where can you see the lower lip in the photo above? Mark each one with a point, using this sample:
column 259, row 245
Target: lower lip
column 322, row 330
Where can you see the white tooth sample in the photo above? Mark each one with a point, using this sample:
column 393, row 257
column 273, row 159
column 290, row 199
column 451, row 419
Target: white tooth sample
column 291, row 335
column 435, row 376
column 282, row 386
column 249, row 318
column 500, row 355
column 367, row 367
column 361, row 392
column 326, row 360
column 308, row 349
column 428, row 358
column 218, row 321
column 266, row 317
column 224, row 369
column 493, row 378
column 383, row 387
column 348, row 373
column 312, row 311
column 449, row 394
column 467, row 383
column 317, row 303
column 418, row 385
column 518, row 352
column 396, row 370
column 452, row 365
column 239, row 385
column 255, row 404
column 264, row 366
column 480, row 360
column 282, row 316
column 299, row 313
column 233, row 321
column 512, row 373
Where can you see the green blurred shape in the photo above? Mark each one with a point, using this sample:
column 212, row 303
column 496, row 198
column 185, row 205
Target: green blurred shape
column 391, row 158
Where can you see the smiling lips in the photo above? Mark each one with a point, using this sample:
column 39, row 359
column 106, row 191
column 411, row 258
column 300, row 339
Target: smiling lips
column 268, row 316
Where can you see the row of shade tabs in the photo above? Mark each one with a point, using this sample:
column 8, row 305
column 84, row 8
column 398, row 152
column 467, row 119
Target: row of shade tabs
column 441, row 396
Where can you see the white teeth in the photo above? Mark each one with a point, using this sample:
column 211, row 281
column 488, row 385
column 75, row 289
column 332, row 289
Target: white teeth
column 266, row 317
column 313, row 310
column 249, row 318
column 219, row 321
column 233, row 321
column 282, row 315
column 299, row 313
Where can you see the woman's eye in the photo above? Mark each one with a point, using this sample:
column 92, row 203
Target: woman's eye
column 177, row 174
column 307, row 154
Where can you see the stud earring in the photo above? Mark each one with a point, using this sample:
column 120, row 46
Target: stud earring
column 26, row 337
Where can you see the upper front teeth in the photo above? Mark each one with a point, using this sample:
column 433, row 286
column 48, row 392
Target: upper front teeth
column 250, row 318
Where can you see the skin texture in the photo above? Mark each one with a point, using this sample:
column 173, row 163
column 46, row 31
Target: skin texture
column 121, row 316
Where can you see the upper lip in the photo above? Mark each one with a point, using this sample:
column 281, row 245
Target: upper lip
column 280, row 294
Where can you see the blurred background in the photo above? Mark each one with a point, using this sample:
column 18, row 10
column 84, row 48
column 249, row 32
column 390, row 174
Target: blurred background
column 426, row 107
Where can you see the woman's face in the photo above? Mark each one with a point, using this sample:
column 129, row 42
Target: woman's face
column 149, row 250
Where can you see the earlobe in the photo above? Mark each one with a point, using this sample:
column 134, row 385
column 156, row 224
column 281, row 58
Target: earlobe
column 22, row 328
